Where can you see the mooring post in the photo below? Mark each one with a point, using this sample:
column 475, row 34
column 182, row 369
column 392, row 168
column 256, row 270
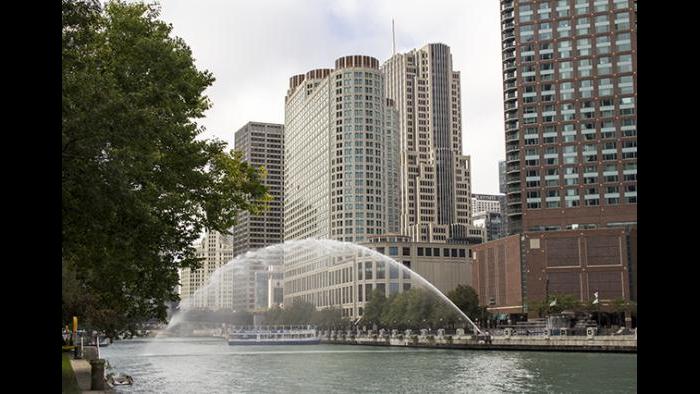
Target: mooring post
column 97, row 376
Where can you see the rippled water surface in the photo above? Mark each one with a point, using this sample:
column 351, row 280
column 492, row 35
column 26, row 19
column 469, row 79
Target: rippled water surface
column 190, row 365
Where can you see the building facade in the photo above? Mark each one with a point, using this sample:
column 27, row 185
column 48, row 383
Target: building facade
column 569, row 75
column 215, row 250
column 513, row 272
column 346, row 281
column 340, row 154
column 487, row 213
column 435, row 177
column 492, row 222
column 262, row 145
column 485, row 203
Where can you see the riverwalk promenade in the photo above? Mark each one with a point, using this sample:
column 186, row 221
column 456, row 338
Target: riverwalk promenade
column 614, row 344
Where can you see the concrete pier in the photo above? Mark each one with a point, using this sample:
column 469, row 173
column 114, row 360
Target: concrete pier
column 83, row 374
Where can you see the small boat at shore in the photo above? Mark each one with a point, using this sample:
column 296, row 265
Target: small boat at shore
column 274, row 336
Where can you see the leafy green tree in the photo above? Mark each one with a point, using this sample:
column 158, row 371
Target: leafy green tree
column 274, row 316
column 374, row 308
column 419, row 309
column 565, row 302
column 466, row 299
column 395, row 311
column 303, row 313
column 138, row 187
column 329, row 319
column 300, row 312
column 539, row 306
column 443, row 316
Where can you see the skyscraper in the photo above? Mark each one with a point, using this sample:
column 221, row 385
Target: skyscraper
column 339, row 153
column 215, row 250
column 569, row 73
column 263, row 146
column 434, row 176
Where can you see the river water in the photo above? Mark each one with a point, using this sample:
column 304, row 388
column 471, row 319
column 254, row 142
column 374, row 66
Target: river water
column 208, row 365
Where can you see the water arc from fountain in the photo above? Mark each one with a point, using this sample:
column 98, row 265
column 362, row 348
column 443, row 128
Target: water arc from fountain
column 322, row 249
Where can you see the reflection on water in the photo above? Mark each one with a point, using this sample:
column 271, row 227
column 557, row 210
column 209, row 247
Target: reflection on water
column 187, row 365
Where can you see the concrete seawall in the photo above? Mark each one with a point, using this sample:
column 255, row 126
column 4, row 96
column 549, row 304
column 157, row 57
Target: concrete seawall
column 614, row 344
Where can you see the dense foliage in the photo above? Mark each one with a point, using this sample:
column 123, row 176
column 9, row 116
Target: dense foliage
column 137, row 186
column 303, row 313
column 466, row 299
column 415, row 308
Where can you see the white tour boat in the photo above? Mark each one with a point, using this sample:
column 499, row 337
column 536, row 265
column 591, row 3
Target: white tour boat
column 287, row 335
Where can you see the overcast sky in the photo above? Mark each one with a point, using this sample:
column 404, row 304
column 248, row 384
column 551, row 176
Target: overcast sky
column 253, row 47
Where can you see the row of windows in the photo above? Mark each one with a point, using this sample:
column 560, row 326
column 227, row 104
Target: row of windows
column 621, row 19
column 563, row 7
column 565, row 70
column 593, row 201
column 592, row 158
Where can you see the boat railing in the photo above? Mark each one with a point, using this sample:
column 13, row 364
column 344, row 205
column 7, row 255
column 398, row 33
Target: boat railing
column 273, row 328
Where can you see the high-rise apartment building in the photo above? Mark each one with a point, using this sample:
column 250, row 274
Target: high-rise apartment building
column 434, row 176
column 487, row 213
column 215, row 250
column 485, row 203
column 569, row 74
column 263, row 146
column 340, row 153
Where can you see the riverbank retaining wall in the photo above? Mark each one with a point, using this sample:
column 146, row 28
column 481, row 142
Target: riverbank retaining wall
column 616, row 344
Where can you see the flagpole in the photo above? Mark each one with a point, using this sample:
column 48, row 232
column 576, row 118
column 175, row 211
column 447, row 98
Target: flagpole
column 546, row 290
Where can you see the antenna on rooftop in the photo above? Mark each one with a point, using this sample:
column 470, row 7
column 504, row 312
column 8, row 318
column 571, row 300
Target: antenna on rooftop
column 393, row 36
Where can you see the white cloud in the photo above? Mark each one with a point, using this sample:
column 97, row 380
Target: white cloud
column 252, row 48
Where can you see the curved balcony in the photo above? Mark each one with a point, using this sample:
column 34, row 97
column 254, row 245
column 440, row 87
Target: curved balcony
column 511, row 179
column 509, row 65
column 507, row 5
column 510, row 76
column 513, row 198
column 510, row 188
column 515, row 211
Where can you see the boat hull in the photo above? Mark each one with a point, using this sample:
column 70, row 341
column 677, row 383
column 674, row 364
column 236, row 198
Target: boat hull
column 263, row 342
